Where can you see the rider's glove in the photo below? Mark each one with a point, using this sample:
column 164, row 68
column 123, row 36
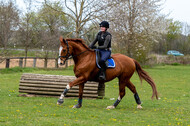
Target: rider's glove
column 93, row 47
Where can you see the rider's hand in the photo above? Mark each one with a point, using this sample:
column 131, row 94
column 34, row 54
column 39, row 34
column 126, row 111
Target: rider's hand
column 94, row 47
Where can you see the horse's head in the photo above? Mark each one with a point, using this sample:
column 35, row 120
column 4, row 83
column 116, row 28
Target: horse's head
column 71, row 48
column 65, row 51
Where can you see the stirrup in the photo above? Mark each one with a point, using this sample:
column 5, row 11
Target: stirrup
column 102, row 76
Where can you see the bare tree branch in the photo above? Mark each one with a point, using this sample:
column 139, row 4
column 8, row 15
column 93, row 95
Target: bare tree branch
column 82, row 12
column 59, row 10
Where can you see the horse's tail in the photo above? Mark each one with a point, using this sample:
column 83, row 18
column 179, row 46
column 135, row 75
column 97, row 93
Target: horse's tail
column 144, row 75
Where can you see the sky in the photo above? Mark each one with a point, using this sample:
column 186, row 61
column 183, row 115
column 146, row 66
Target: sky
column 178, row 9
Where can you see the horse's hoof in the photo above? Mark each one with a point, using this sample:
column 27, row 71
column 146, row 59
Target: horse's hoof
column 77, row 106
column 110, row 107
column 139, row 107
column 60, row 101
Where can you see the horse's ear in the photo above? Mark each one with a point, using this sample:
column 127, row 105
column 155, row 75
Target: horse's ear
column 62, row 40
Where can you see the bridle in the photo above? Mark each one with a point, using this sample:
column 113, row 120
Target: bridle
column 68, row 55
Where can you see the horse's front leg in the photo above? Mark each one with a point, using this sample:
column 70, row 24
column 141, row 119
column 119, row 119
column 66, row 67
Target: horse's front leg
column 81, row 87
column 78, row 81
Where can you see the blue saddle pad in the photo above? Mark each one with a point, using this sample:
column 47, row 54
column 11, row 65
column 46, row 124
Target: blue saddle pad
column 110, row 63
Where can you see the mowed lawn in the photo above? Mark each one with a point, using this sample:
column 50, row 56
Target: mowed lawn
column 173, row 108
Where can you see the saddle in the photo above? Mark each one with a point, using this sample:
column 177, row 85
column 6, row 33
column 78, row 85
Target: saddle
column 110, row 63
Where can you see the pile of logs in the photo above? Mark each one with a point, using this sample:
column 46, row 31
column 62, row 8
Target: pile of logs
column 53, row 85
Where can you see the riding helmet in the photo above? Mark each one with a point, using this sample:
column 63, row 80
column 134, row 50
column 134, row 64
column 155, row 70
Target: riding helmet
column 104, row 24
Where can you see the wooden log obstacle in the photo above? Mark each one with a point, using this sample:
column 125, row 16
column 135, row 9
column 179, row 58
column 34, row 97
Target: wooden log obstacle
column 53, row 85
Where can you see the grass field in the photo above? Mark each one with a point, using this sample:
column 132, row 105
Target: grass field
column 173, row 83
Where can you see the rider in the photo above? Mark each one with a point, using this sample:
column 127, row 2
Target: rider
column 104, row 47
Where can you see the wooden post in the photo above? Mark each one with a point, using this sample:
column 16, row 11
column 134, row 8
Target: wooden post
column 66, row 64
column 20, row 62
column 7, row 63
column 45, row 63
column 34, row 62
column 101, row 90
column 56, row 63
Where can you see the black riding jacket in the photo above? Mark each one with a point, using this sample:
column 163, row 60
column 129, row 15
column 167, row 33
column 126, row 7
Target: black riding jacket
column 103, row 39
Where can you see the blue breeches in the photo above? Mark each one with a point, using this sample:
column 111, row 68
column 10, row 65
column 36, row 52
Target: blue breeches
column 104, row 54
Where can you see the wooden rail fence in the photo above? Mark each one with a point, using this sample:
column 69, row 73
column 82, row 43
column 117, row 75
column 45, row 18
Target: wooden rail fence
column 53, row 85
column 23, row 60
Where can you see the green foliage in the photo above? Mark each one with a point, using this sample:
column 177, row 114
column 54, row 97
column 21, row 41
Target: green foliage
column 140, row 53
column 21, row 53
column 91, row 33
column 28, row 34
column 50, row 18
column 141, row 49
column 14, row 53
column 172, row 109
column 174, row 31
column 184, row 45
column 17, row 70
column 176, row 64
column 54, row 19
column 67, row 71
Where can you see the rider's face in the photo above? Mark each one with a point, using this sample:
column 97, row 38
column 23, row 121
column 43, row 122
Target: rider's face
column 103, row 29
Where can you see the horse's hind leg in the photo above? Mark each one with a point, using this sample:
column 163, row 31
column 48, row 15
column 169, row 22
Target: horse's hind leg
column 136, row 96
column 121, row 94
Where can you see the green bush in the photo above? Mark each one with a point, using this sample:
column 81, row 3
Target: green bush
column 175, row 64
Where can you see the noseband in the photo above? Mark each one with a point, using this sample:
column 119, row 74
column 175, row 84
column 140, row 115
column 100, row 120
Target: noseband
column 68, row 55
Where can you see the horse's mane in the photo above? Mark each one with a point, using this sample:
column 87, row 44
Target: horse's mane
column 80, row 41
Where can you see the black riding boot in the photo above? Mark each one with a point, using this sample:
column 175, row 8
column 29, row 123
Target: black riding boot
column 102, row 75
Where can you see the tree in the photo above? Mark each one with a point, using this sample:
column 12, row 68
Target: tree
column 185, row 41
column 91, row 32
column 51, row 19
column 174, row 31
column 28, row 32
column 9, row 18
column 136, row 26
column 81, row 12
column 53, row 24
column 25, row 32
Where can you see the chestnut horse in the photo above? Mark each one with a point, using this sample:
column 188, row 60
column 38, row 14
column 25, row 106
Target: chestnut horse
column 85, row 69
